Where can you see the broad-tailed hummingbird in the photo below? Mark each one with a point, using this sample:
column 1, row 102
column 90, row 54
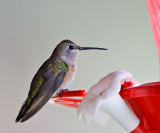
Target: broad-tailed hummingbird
column 56, row 73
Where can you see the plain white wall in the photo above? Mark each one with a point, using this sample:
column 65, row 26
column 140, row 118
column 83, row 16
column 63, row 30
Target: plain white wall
column 30, row 30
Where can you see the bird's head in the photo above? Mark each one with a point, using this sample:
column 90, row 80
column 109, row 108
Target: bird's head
column 68, row 50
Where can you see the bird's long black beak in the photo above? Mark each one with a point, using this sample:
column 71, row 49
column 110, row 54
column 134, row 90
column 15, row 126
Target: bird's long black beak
column 90, row 48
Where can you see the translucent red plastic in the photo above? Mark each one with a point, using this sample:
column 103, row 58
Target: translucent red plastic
column 154, row 14
column 144, row 100
column 71, row 102
column 76, row 93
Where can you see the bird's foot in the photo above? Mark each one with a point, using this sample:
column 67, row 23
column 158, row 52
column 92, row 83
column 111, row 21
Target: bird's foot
column 61, row 90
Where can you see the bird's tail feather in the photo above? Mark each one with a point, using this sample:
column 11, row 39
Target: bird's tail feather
column 22, row 111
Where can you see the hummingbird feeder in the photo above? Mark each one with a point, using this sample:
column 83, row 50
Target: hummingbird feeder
column 143, row 99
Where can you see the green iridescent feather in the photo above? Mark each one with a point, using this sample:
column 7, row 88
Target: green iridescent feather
column 38, row 79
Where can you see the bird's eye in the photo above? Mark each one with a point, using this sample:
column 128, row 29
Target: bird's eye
column 71, row 47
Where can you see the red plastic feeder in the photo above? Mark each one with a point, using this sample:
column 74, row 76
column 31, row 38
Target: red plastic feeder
column 144, row 100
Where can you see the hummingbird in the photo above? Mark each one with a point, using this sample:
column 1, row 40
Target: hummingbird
column 55, row 74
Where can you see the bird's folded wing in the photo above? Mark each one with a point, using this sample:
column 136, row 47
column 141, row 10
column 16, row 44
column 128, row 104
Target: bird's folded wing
column 50, row 84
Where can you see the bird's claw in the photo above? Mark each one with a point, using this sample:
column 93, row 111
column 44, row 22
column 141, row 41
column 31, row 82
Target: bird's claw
column 60, row 91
